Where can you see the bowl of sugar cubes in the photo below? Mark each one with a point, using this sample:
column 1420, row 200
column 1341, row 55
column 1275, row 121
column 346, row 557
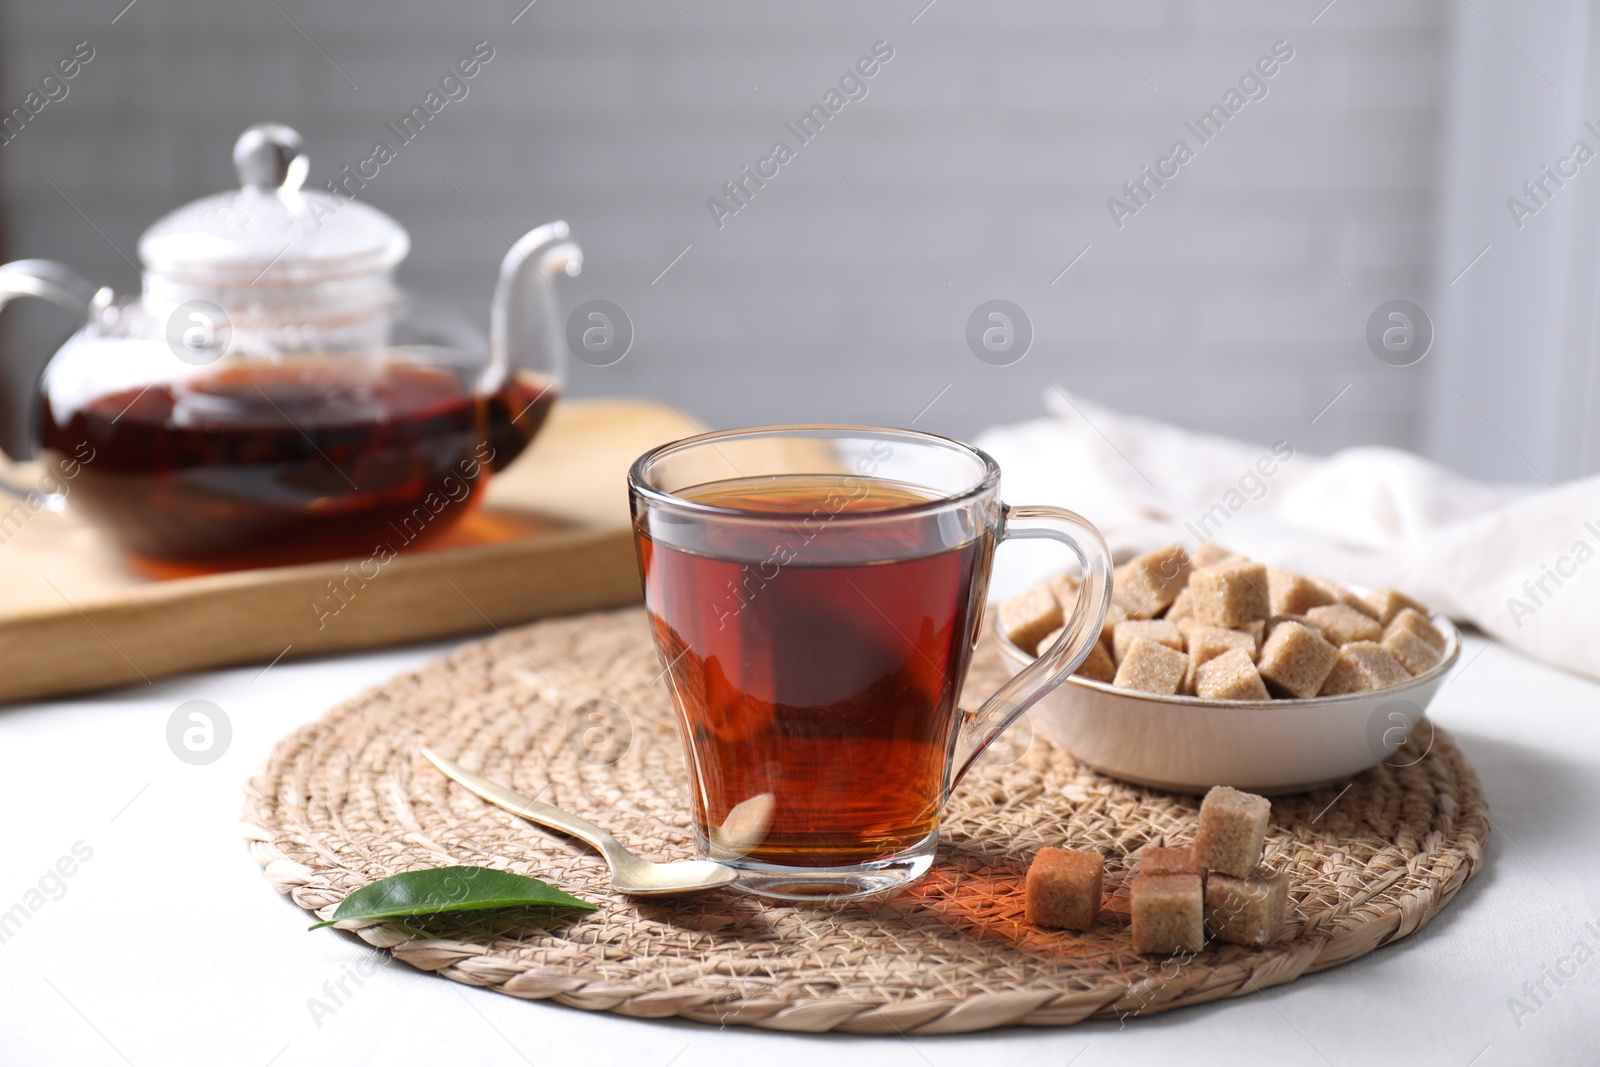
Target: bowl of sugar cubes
column 1216, row 669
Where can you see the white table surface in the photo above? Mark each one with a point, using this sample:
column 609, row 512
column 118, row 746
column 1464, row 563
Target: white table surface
column 169, row 947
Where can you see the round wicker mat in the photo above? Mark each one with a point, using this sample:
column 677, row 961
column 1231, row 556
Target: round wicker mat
column 573, row 711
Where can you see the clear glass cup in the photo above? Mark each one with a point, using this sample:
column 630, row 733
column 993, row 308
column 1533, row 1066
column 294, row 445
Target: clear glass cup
column 816, row 594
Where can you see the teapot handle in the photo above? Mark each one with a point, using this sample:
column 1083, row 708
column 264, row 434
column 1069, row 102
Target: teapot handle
column 522, row 330
column 63, row 287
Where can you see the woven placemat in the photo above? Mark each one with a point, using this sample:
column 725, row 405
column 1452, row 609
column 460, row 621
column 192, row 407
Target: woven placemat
column 574, row 711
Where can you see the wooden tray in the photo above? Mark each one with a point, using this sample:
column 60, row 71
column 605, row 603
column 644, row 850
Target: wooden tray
column 552, row 537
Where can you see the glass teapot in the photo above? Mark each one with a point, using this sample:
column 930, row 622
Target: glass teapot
column 271, row 395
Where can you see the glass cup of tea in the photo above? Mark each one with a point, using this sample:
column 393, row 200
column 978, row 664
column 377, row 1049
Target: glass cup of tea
column 816, row 594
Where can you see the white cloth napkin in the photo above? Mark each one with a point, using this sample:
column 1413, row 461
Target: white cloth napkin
column 1521, row 564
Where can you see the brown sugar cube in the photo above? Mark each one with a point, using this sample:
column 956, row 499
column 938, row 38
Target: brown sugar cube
column 1303, row 620
column 1342, row 624
column 1115, row 613
column 1027, row 617
column 1168, row 913
column 1257, row 631
column 1152, row 667
column 1415, row 654
column 1098, row 665
column 1204, row 643
column 1064, row 587
column 1209, row 554
column 1233, row 828
column 1390, row 602
column 1414, row 621
column 1199, row 638
column 1338, row 594
column 1363, row 666
column 1231, row 594
column 1049, row 639
column 1146, row 585
column 1155, row 860
column 1296, row 660
column 1292, row 594
column 1182, row 607
column 1230, row 676
column 1126, row 633
column 1247, row 911
column 1064, row 888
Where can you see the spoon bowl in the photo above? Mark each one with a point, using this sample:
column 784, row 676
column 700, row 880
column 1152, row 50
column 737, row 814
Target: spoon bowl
column 645, row 878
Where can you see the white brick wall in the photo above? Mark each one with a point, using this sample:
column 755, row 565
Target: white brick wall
column 991, row 141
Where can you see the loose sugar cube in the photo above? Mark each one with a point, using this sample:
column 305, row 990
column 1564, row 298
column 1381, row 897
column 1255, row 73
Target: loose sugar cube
column 1182, row 606
column 1152, row 667
column 1027, row 617
column 1389, row 602
column 1155, row 860
column 1247, row 911
column 1230, row 676
column 1415, row 654
column 1233, row 827
column 1342, row 624
column 1204, row 643
column 1363, row 666
column 1414, row 621
column 1292, row 594
column 1296, row 660
column 1064, row 888
column 1210, row 553
column 1126, row 633
column 1338, row 594
column 1168, row 913
column 1098, row 665
column 1231, row 594
column 1147, row 584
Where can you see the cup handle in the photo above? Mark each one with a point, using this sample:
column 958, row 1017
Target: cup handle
column 980, row 728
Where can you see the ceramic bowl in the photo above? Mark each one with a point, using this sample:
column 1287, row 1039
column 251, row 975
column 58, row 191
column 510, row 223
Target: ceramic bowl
column 1187, row 745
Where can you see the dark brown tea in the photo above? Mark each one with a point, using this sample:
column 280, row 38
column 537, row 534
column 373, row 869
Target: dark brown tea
column 311, row 458
column 816, row 667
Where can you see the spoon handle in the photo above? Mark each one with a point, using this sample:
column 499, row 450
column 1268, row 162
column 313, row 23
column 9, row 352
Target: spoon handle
column 527, row 807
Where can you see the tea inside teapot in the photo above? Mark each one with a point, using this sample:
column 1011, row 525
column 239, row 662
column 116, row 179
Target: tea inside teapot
column 305, row 457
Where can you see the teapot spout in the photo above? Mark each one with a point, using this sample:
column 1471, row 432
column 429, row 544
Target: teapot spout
column 524, row 336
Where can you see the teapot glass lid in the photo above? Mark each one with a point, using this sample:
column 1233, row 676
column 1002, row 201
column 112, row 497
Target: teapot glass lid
column 271, row 231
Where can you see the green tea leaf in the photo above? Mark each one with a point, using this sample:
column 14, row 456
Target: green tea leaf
column 443, row 889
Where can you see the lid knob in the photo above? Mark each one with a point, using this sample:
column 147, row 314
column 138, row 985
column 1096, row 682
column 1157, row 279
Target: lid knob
column 271, row 156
